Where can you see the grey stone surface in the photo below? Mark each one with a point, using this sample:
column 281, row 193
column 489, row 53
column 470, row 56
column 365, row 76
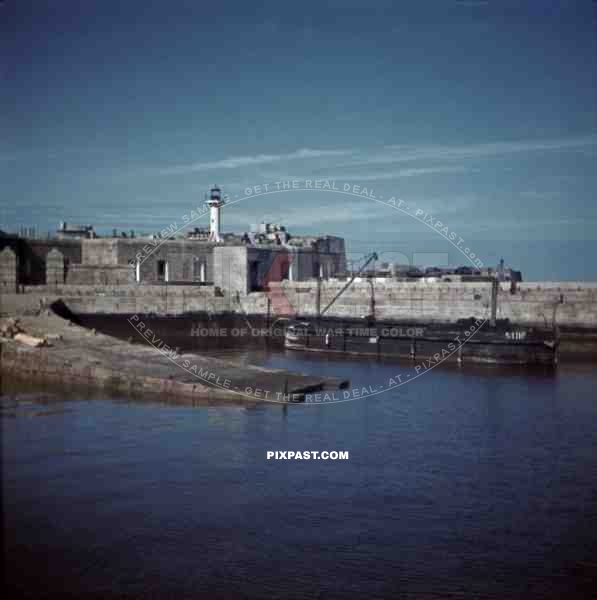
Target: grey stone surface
column 8, row 271
column 533, row 304
column 55, row 268
column 80, row 356
column 231, row 269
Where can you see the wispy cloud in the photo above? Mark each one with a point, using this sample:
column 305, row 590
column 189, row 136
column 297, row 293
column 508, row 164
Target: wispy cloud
column 398, row 174
column 292, row 211
column 270, row 176
column 388, row 155
column 408, row 153
column 238, row 162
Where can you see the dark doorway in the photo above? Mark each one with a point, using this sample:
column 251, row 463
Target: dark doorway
column 162, row 270
column 254, row 284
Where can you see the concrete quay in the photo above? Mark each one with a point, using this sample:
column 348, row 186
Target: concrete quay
column 574, row 304
column 77, row 356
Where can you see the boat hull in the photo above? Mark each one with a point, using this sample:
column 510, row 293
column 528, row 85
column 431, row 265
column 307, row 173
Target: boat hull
column 447, row 343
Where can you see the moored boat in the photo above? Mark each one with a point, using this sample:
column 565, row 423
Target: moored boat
column 477, row 342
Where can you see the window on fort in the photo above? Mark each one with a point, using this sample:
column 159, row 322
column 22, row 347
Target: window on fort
column 161, row 265
column 198, row 269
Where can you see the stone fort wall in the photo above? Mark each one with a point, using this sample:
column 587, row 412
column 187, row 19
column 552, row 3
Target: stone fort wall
column 575, row 304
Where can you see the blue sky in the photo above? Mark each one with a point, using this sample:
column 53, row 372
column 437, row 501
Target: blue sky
column 483, row 113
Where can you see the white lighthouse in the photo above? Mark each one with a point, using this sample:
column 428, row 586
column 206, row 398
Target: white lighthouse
column 215, row 202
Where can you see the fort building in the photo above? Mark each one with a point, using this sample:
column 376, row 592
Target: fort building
column 235, row 262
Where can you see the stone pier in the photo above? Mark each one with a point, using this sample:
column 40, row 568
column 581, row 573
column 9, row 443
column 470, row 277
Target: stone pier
column 77, row 356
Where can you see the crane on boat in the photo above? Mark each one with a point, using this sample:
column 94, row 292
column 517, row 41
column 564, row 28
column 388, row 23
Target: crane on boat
column 368, row 259
column 297, row 334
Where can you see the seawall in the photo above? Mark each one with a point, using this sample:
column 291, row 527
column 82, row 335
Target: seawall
column 534, row 304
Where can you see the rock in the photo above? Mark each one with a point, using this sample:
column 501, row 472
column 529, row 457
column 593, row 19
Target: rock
column 10, row 327
column 30, row 340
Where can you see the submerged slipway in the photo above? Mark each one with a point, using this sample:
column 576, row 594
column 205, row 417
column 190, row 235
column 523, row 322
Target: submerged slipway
column 79, row 356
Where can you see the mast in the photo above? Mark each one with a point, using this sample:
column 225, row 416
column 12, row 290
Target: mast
column 372, row 301
column 495, row 285
column 318, row 299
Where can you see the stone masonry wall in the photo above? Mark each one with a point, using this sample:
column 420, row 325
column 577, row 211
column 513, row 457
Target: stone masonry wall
column 55, row 272
column 102, row 251
column 124, row 299
column 533, row 304
column 8, row 271
column 231, row 269
column 100, row 276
